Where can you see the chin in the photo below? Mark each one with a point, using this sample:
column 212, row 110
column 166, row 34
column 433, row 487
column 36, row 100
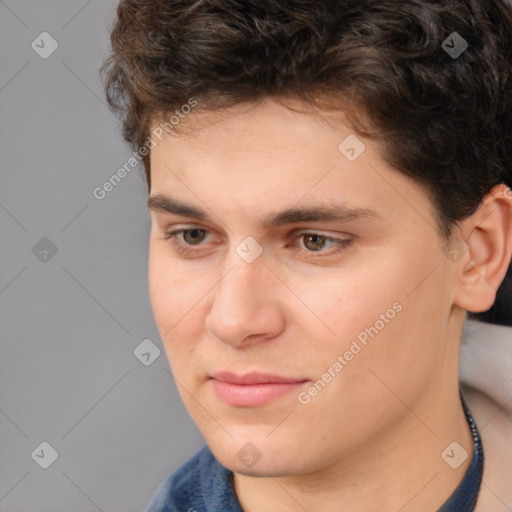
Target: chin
column 259, row 457
column 263, row 468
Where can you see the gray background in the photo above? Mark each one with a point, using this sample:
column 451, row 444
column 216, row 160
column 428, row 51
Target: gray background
column 70, row 321
column 74, row 304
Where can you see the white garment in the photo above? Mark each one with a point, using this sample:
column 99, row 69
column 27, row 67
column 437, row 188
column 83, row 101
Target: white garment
column 485, row 373
column 486, row 360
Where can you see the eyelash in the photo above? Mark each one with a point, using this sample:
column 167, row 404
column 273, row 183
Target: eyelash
column 185, row 249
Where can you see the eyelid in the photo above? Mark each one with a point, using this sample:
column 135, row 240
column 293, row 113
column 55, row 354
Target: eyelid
column 176, row 230
column 295, row 232
column 321, row 232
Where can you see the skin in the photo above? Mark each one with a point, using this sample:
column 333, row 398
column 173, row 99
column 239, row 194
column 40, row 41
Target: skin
column 373, row 437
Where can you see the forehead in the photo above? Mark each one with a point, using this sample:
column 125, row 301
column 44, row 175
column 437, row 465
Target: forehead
column 255, row 140
column 266, row 161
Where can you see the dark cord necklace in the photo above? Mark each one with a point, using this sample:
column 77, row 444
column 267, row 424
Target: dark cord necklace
column 464, row 498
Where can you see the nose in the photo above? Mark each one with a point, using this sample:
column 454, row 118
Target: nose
column 245, row 306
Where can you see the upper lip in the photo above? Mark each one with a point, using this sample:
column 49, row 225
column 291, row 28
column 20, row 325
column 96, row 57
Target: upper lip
column 254, row 378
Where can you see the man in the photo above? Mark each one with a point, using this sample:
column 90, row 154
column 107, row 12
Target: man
column 329, row 193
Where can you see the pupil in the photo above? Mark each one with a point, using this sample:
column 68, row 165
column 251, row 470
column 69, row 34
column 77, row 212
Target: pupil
column 193, row 233
column 316, row 244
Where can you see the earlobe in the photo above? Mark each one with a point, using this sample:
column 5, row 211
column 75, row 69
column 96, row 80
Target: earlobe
column 488, row 238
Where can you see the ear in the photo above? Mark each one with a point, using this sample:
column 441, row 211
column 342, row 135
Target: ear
column 487, row 235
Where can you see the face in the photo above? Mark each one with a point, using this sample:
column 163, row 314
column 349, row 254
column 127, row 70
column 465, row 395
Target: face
column 301, row 332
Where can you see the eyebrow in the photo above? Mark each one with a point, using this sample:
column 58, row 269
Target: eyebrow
column 336, row 212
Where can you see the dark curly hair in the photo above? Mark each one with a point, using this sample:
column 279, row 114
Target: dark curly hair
column 441, row 118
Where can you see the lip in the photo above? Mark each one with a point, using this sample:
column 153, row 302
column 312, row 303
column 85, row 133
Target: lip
column 252, row 389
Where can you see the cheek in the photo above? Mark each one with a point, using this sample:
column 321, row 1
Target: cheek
column 176, row 299
column 177, row 309
column 351, row 301
column 384, row 306
column 401, row 319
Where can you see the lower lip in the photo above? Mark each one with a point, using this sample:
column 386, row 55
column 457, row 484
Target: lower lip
column 252, row 395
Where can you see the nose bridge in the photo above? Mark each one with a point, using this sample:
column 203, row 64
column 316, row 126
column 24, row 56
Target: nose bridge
column 244, row 267
column 239, row 286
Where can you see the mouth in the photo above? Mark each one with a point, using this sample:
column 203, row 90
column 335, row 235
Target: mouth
column 253, row 389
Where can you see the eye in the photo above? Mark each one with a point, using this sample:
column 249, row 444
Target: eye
column 191, row 236
column 313, row 242
column 195, row 237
